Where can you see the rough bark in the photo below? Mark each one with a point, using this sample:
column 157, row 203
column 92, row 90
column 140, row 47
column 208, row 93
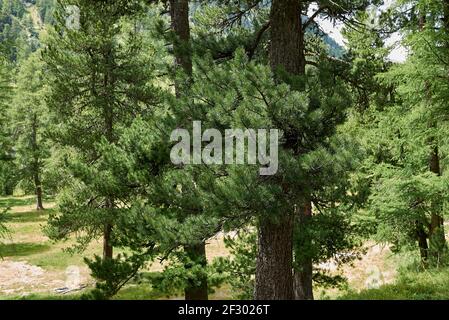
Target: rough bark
column 287, row 37
column 274, row 279
column 179, row 12
column 274, row 276
column 303, row 283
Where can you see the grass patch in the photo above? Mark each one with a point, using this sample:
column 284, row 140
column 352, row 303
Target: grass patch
column 139, row 292
column 41, row 297
column 22, row 249
column 9, row 202
column 57, row 259
column 29, row 217
column 26, row 232
column 411, row 285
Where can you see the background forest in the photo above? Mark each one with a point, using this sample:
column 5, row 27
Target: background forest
column 91, row 206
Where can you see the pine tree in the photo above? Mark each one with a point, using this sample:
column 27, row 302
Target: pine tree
column 100, row 77
column 30, row 120
column 179, row 13
column 297, row 66
column 402, row 124
column 428, row 28
column 7, row 167
column 224, row 92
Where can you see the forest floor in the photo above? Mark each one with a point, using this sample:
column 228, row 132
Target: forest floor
column 32, row 266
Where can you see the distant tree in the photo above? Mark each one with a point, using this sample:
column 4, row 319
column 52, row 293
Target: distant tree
column 7, row 167
column 29, row 117
column 402, row 126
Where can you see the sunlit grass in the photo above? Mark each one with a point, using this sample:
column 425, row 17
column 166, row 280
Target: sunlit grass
column 431, row 285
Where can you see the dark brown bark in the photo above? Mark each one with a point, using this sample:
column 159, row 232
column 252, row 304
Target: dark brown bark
column 38, row 185
column 193, row 291
column 434, row 162
column 108, row 249
column 274, row 275
column 274, row 280
column 437, row 240
column 303, row 283
column 109, row 132
column 179, row 13
column 287, row 37
column 422, row 242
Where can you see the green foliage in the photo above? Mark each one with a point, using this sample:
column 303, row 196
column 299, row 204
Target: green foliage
column 112, row 274
column 3, row 229
column 7, row 167
column 428, row 285
column 239, row 269
column 46, row 10
column 90, row 115
column 30, row 120
column 404, row 135
column 101, row 80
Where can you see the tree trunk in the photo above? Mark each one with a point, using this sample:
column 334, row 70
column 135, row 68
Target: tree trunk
column 422, row 242
column 303, row 283
column 38, row 186
column 107, row 234
column 197, row 290
column 179, row 13
column 107, row 246
column 437, row 240
column 274, row 278
column 287, row 37
column 36, row 166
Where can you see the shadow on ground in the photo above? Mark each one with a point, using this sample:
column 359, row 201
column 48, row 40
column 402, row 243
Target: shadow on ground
column 26, row 217
column 22, row 249
column 10, row 202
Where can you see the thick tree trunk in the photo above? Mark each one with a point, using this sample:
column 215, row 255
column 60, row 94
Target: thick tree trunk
column 179, row 13
column 303, row 283
column 197, row 291
column 287, row 37
column 274, row 279
column 274, row 275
